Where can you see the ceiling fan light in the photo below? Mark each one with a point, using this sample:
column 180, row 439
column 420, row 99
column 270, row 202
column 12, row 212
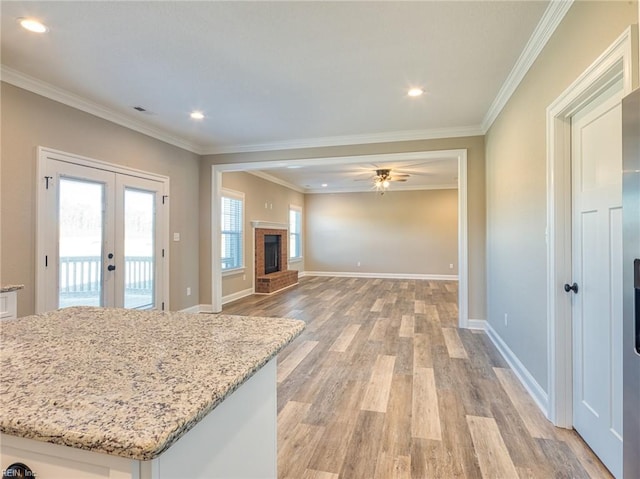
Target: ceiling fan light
column 415, row 92
column 385, row 184
column 33, row 25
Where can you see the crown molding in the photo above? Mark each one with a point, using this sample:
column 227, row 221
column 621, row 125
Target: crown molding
column 553, row 15
column 65, row 97
column 368, row 189
column 274, row 179
column 387, row 137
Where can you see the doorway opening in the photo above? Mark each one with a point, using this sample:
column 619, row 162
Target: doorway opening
column 460, row 156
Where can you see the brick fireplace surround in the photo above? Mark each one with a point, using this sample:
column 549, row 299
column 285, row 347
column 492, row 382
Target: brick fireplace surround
column 270, row 283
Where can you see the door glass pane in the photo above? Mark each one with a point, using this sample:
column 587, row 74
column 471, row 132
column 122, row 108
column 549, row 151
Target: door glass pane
column 81, row 234
column 139, row 249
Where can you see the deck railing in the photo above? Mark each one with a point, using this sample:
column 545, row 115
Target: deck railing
column 82, row 274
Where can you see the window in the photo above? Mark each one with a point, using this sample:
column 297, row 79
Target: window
column 232, row 220
column 295, row 232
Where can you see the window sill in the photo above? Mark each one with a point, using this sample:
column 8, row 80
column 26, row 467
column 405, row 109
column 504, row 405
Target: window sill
column 296, row 260
column 232, row 272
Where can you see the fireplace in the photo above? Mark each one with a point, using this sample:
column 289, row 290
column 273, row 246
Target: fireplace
column 271, row 253
column 272, row 271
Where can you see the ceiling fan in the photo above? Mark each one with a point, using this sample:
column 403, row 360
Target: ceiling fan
column 383, row 178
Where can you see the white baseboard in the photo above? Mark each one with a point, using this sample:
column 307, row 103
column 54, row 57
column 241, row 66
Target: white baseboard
column 192, row 309
column 480, row 324
column 198, row 308
column 208, row 308
column 238, row 295
column 346, row 274
column 531, row 385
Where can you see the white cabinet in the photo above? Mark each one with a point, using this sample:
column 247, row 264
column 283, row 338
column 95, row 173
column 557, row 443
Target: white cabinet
column 234, row 441
column 8, row 305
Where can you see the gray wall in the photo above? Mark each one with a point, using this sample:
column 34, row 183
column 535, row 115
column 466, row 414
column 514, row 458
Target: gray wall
column 475, row 201
column 516, row 179
column 28, row 121
column 414, row 232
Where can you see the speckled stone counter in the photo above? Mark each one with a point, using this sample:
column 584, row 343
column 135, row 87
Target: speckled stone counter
column 8, row 288
column 125, row 382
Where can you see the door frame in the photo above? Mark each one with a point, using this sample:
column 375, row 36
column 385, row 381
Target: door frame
column 460, row 155
column 45, row 154
column 614, row 64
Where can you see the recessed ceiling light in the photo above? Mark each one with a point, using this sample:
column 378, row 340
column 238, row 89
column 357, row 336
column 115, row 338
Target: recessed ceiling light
column 197, row 115
column 415, row 92
column 324, row 185
column 33, row 25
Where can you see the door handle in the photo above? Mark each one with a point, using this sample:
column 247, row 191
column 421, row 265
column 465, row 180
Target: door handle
column 573, row 287
column 111, row 267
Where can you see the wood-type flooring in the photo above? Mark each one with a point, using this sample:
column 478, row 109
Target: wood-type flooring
column 382, row 384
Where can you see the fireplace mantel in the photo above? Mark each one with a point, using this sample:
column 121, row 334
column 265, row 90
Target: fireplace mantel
column 269, row 225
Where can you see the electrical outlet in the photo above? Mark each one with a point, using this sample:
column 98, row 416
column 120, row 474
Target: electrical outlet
column 506, row 319
column 244, row 277
column 176, row 236
column 450, row 265
column 358, row 264
column 188, row 291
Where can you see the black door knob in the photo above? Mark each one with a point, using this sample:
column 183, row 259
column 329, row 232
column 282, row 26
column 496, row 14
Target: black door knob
column 573, row 287
column 111, row 267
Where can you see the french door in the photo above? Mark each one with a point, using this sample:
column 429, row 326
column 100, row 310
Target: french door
column 101, row 236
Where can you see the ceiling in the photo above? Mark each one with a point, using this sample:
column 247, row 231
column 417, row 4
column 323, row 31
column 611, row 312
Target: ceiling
column 270, row 75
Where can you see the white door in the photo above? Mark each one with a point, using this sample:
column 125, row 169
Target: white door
column 597, row 272
column 102, row 238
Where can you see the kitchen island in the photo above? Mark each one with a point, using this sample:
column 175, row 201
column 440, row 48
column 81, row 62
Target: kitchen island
column 114, row 393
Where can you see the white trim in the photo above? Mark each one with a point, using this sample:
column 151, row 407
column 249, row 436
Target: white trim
column 99, row 164
column 65, row 97
column 522, row 373
column 233, row 272
column 479, row 324
column 388, row 137
column 205, row 308
column 192, row 309
column 43, row 155
column 234, row 194
column 268, row 225
column 349, row 274
column 463, row 247
column 295, row 259
column 238, row 196
column 614, row 64
column 276, row 180
column 553, row 15
column 237, row 295
column 370, row 189
column 463, row 243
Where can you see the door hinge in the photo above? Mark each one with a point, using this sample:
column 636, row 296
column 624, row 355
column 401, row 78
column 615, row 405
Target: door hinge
column 46, row 261
column 164, row 197
column 46, row 179
column 163, row 252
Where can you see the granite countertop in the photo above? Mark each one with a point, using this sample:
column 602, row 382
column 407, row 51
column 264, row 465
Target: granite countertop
column 125, row 382
column 7, row 288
